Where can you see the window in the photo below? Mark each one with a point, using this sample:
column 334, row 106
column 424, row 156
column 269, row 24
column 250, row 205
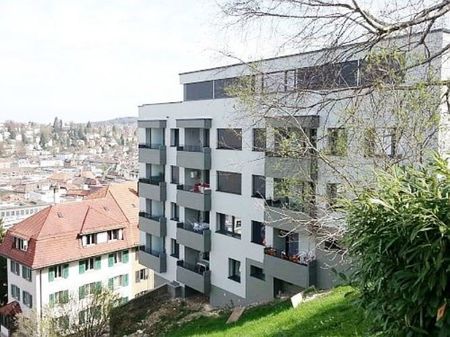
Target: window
column 118, row 281
column 274, row 82
column 257, row 272
column 258, row 186
column 174, row 211
column 89, row 289
column 259, row 140
column 15, row 292
column 229, row 139
column 141, row 275
column 114, row 234
column 332, row 194
column 224, row 86
column 15, row 268
column 230, row 225
column 234, row 270
column 58, row 271
column 26, row 273
column 118, row 257
column 390, row 142
column 258, row 233
column 60, row 297
column 369, row 142
column 175, row 175
column 198, row 90
column 62, row 323
column 174, row 248
column 27, row 299
column 174, row 137
column 90, row 264
column 20, row 244
column 337, row 141
column 229, row 182
column 90, row 239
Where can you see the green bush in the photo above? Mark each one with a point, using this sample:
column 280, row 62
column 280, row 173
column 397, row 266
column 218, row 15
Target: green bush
column 399, row 239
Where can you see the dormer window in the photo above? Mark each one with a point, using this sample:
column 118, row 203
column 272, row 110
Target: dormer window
column 20, row 244
column 89, row 239
column 115, row 234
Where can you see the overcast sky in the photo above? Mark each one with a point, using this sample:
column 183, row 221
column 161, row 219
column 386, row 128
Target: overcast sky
column 98, row 59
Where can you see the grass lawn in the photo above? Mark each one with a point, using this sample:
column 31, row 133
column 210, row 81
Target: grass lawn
column 332, row 315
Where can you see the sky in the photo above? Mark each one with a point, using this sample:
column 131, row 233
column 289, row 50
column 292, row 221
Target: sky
column 85, row 60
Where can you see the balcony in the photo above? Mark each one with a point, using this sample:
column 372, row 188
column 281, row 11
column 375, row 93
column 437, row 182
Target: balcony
column 197, row 236
column 194, row 197
column 278, row 166
column 285, row 214
column 152, row 154
column 153, row 188
column 153, row 259
column 154, row 225
column 194, row 157
column 292, row 269
column 194, row 276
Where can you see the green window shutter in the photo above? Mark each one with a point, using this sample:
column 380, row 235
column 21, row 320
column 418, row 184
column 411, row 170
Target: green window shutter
column 111, row 284
column 125, row 280
column 51, row 274
column 51, row 299
column 82, row 267
column 65, row 296
column 125, row 256
column 111, row 260
column 81, row 317
column 81, row 292
column 98, row 262
column 66, row 271
column 98, row 286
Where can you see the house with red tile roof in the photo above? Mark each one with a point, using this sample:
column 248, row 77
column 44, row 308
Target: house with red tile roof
column 66, row 248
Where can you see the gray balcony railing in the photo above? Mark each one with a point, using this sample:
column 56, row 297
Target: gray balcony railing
column 152, row 224
column 197, row 237
column 194, row 157
column 294, row 269
column 194, row 276
column 192, row 148
column 152, row 146
column 152, row 188
column 155, row 260
column 195, row 197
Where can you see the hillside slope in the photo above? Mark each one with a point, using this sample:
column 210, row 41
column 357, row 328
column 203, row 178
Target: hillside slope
column 330, row 315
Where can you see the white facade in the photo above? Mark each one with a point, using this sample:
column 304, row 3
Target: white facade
column 42, row 285
column 157, row 123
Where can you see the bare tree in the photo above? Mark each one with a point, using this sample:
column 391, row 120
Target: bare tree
column 376, row 84
column 71, row 315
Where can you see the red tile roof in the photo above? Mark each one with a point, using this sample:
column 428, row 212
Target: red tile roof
column 53, row 234
column 11, row 309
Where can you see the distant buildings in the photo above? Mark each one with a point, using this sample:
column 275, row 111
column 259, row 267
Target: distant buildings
column 69, row 249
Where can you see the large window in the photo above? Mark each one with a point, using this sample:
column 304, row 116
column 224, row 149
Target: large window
column 174, row 137
column 258, row 233
column 229, row 224
column 259, row 140
column 257, row 272
column 223, row 87
column 229, row 139
column 234, row 270
column 118, row 282
column 337, row 141
column 198, row 90
column 90, row 264
column 26, row 273
column 118, row 257
column 258, row 186
column 141, row 275
column 229, row 182
column 59, row 271
column 60, row 297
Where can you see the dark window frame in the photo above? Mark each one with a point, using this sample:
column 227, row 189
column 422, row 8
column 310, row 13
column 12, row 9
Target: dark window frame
column 221, row 142
column 221, row 185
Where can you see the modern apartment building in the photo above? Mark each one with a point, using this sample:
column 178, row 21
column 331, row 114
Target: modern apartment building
column 65, row 251
column 213, row 217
